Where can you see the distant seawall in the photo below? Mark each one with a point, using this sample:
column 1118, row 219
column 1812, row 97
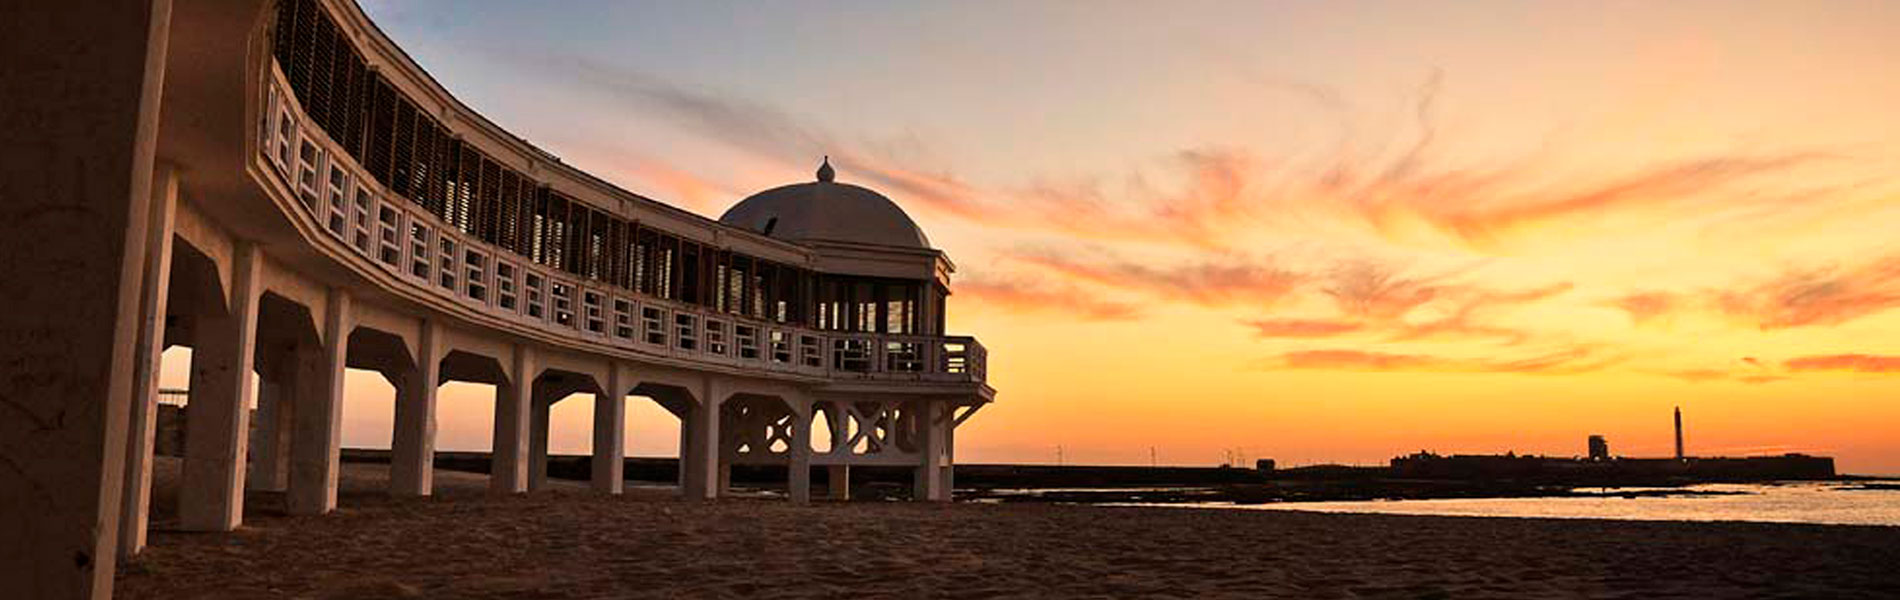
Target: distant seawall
column 664, row 470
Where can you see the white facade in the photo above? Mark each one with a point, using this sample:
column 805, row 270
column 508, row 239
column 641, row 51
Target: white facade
column 281, row 255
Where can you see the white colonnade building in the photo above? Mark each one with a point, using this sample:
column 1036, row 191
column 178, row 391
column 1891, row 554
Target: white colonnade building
column 317, row 202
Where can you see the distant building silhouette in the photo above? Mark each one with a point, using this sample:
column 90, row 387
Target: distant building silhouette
column 1601, row 466
column 1679, row 455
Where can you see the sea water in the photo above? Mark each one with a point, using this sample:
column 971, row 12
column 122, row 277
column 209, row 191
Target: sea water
column 1835, row 503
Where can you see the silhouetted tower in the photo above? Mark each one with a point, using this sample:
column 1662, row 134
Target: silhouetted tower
column 1678, row 433
column 1599, row 448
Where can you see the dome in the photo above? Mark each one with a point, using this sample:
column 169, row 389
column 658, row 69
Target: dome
column 829, row 211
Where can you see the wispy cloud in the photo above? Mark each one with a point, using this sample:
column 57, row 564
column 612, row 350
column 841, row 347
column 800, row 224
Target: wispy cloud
column 1376, row 298
column 628, row 169
column 1470, row 306
column 1859, row 363
column 1204, row 197
column 1569, row 361
column 1301, row 328
column 1022, row 295
column 1798, row 297
column 1644, row 307
column 1368, row 290
column 1817, row 297
column 767, row 132
column 1709, row 375
column 1214, row 281
column 1486, row 220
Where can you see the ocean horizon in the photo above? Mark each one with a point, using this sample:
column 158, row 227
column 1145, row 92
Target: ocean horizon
column 1817, row 503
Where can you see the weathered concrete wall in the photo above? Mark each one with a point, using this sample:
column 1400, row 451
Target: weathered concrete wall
column 80, row 110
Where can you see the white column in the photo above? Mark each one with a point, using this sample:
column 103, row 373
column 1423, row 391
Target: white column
column 143, row 426
column 840, row 484
column 702, row 460
column 270, row 442
column 317, row 439
column 412, row 447
column 538, row 412
column 218, row 416
column 610, row 434
column 928, row 483
column 798, row 465
column 508, row 470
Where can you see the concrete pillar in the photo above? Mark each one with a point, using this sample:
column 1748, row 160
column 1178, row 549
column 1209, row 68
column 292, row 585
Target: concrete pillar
column 928, row 482
column 610, row 434
column 508, row 470
column 948, row 470
column 702, row 460
column 143, row 425
column 219, row 413
column 681, row 471
column 317, row 439
column 82, row 89
column 798, row 465
column 270, row 442
column 412, row 445
column 725, row 476
column 840, row 484
column 538, row 417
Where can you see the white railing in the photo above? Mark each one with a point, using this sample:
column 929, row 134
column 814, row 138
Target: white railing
column 340, row 200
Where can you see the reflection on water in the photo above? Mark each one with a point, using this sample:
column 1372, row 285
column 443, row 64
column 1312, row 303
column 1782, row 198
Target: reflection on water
column 1829, row 503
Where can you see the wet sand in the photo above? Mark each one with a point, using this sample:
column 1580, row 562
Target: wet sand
column 568, row 543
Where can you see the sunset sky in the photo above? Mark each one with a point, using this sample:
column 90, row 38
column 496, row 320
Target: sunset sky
column 1315, row 232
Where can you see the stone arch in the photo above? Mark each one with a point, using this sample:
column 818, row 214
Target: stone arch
column 462, row 365
column 195, row 286
column 381, row 351
column 550, row 387
column 377, row 354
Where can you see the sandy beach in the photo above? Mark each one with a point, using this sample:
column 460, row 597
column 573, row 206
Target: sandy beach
column 568, row 543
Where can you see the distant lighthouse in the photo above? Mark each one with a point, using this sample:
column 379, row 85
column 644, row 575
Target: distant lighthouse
column 1678, row 433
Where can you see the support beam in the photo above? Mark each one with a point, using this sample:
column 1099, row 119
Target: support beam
column 217, row 421
column 540, row 410
column 683, row 473
column 508, row 470
column 840, row 482
column 270, row 442
column 412, row 447
column 702, row 461
column 798, row 463
column 81, row 114
column 610, row 434
column 948, row 470
column 143, row 425
column 316, row 443
column 928, row 481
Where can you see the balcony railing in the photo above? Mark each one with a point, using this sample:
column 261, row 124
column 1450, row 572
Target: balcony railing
column 339, row 198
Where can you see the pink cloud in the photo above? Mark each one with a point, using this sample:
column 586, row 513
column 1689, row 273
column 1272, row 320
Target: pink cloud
column 1301, row 328
column 1859, row 363
column 1562, row 362
column 1217, row 281
column 1817, row 297
column 1022, row 296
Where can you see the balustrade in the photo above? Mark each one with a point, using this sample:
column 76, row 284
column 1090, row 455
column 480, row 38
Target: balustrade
column 340, row 200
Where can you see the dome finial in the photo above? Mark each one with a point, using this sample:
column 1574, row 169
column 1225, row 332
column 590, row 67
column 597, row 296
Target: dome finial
column 825, row 173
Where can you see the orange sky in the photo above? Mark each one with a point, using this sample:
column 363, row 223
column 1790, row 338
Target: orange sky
column 1314, row 232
